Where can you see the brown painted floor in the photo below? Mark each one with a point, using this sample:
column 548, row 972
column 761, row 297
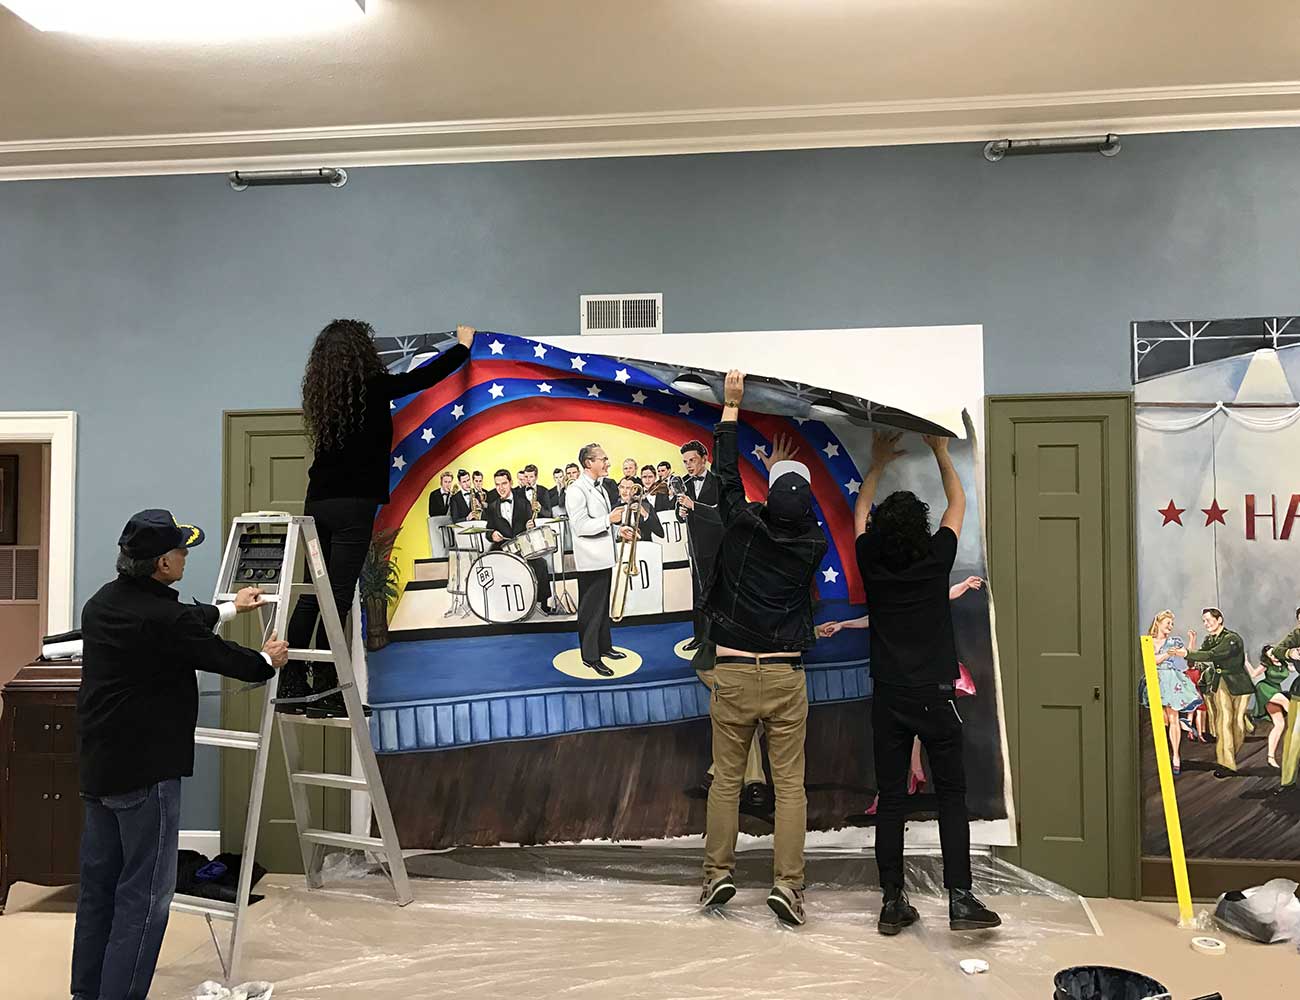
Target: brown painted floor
column 518, row 935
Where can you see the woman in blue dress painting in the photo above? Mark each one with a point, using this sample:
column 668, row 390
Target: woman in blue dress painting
column 1177, row 691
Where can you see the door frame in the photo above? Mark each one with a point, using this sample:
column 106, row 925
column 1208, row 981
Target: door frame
column 58, row 429
column 1114, row 411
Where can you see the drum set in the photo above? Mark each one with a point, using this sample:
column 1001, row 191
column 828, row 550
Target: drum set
column 497, row 586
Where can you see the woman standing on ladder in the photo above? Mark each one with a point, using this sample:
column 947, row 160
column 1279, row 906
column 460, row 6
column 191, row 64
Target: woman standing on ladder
column 346, row 396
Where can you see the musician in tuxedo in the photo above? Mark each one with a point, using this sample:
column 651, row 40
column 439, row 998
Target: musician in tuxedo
column 664, row 470
column 480, row 489
column 508, row 514
column 595, row 524
column 629, row 468
column 528, row 480
column 661, row 501
column 440, row 499
column 459, row 504
column 554, row 495
column 650, row 528
column 571, row 473
column 698, row 509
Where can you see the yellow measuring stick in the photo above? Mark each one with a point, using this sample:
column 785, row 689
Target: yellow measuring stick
column 1165, row 768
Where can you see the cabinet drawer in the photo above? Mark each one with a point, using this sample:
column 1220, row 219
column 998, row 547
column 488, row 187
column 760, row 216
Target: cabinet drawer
column 63, row 725
column 33, row 727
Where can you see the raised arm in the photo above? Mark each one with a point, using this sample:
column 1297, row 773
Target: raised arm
column 431, row 372
column 956, row 513
column 884, row 449
column 726, row 449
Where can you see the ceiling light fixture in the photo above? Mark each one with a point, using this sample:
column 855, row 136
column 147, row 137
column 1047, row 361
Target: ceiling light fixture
column 1106, row 145
column 242, row 180
column 199, row 20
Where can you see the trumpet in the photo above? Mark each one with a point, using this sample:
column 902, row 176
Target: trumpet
column 625, row 565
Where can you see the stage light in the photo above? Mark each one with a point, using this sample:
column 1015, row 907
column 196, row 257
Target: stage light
column 198, row 20
column 1106, row 145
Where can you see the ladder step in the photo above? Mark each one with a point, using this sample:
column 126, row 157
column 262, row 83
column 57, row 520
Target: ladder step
column 220, row 909
column 315, row 655
column 340, row 722
column 327, row 780
column 236, row 739
column 330, row 838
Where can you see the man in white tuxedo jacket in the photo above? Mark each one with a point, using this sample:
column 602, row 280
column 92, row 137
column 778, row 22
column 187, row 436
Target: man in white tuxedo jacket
column 592, row 521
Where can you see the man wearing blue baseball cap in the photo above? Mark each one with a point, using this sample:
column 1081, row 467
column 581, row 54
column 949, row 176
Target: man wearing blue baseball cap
column 136, row 713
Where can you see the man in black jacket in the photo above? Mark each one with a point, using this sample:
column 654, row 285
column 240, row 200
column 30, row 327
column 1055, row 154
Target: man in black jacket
column 136, row 710
column 508, row 514
column 759, row 613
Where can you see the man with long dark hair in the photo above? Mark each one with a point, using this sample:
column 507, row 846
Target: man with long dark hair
column 346, row 391
column 905, row 571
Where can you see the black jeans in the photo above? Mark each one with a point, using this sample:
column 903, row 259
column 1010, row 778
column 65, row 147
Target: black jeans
column 128, row 877
column 344, row 527
column 897, row 716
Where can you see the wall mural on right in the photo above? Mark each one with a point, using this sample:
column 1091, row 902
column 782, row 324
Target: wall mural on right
column 1218, row 513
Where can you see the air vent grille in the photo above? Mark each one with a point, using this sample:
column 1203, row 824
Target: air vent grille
column 631, row 313
column 20, row 573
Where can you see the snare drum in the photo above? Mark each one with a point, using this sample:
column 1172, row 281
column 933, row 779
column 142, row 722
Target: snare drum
column 501, row 588
column 533, row 543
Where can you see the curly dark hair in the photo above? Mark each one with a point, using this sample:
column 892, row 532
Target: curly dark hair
column 343, row 358
column 902, row 523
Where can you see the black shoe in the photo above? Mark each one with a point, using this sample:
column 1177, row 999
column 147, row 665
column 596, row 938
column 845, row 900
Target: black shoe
column 292, row 684
column 1223, row 772
column 717, row 892
column 896, row 912
column 613, row 654
column 693, row 645
column 700, row 791
column 758, row 800
column 600, row 668
column 966, row 913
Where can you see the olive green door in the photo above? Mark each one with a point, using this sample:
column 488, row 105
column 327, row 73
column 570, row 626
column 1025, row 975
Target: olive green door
column 266, row 459
column 1060, row 548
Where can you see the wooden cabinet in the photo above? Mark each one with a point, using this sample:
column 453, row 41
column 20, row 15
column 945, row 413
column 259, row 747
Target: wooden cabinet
column 40, row 804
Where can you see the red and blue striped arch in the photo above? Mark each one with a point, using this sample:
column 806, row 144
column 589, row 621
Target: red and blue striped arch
column 511, row 382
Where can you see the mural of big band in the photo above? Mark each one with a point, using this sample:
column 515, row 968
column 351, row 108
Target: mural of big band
column 518, row 701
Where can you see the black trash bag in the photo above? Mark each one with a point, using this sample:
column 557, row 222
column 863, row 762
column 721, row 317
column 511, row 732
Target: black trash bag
column 1100, row 982
column 224, row 887
column 188, row 864
column 1268, row 913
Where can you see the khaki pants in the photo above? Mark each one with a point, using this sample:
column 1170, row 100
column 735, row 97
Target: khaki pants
column 1230, row 712
column 743, row 696
column 1291, row 746
column 754, row 774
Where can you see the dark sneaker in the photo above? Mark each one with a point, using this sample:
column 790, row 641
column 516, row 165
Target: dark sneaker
column 787, row 904
column 966, row 913
column 717, row 892
column 896, row 912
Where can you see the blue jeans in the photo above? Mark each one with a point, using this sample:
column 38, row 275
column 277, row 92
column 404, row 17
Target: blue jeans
column 128, row 878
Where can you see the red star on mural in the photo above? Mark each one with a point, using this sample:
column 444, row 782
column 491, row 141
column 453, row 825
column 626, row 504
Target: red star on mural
column 1214, row 513
column 1171, row 514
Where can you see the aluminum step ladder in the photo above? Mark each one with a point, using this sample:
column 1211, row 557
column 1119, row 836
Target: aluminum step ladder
column 262, row 551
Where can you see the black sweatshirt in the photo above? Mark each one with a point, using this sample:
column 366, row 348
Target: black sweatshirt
column 358, row 467
column 139, row 699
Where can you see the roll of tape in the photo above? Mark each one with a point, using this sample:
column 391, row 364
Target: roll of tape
column 1209, row 946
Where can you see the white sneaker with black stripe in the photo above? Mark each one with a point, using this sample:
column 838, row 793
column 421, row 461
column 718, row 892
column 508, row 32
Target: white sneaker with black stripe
column 717, row 892
column 787, row 904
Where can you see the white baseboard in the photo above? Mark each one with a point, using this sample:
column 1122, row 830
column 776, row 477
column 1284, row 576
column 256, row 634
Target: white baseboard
column 206, row 842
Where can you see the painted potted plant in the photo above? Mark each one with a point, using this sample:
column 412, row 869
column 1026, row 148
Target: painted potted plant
column 378, row 585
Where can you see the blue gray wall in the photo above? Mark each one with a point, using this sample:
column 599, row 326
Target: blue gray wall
column 150, row 305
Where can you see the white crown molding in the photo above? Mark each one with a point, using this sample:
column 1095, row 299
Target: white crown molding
column 1132, row 110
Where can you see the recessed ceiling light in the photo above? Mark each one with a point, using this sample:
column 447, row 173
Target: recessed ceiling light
column 196, row 20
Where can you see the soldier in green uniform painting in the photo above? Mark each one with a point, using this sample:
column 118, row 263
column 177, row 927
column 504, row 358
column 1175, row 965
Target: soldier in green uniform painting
column 1286, row 654
column 1228, row 682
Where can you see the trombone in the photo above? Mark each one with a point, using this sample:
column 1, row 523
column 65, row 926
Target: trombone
column 625, row 565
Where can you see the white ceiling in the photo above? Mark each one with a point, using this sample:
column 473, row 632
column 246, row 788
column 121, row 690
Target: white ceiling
column 435, row 80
